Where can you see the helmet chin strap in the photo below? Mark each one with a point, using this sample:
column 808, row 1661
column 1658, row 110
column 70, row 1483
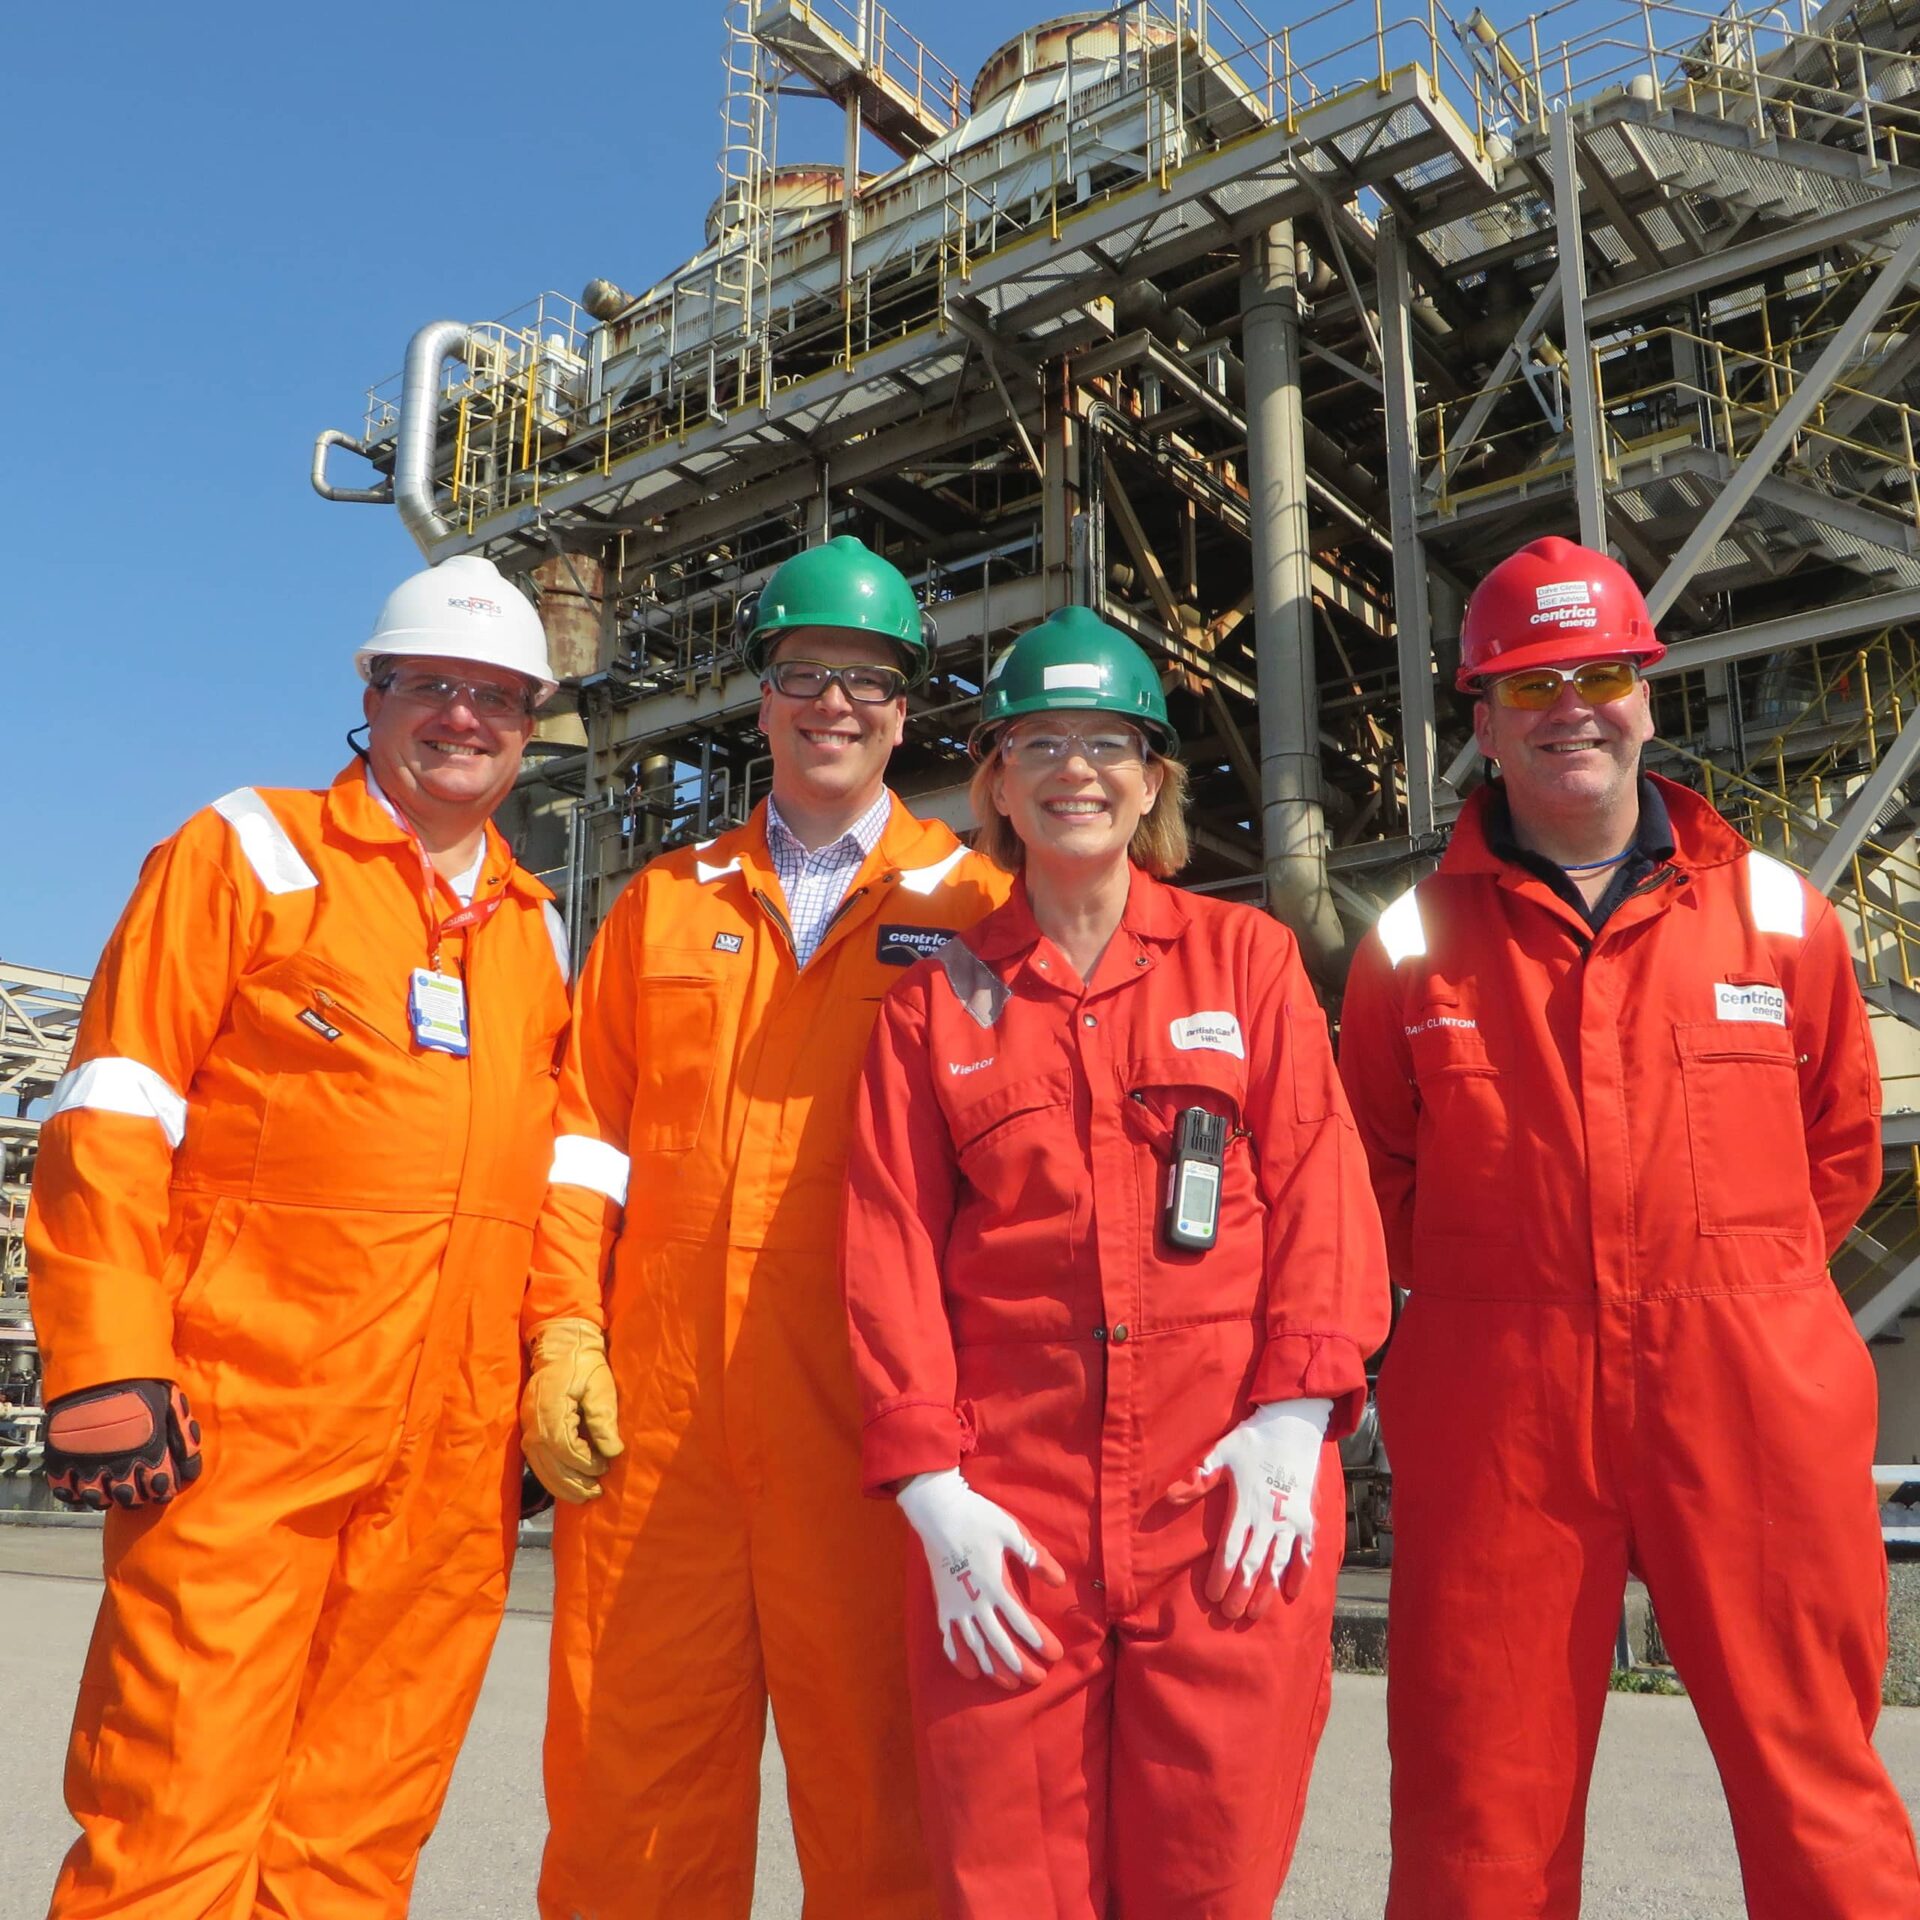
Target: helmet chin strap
column 359, row 746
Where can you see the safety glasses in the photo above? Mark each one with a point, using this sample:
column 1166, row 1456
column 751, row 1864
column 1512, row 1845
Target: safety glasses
column 809, row 679
column 1039, row 747
column 1599, row 683
column 484, row 698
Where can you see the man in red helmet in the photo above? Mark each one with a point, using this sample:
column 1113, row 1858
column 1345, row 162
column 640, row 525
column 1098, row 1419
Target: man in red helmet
column 1620, row 1102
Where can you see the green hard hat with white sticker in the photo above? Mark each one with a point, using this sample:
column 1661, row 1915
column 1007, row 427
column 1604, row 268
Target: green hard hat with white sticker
column 842, row 583
column 1073, row 661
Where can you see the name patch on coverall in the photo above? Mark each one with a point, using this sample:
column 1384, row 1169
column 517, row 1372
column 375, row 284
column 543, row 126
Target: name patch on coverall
column 1208, row 1032
column 1765, row 1004
column 902, row 946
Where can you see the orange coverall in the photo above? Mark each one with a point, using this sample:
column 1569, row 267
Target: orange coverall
column 709, row 1087
column 1612, row 1168
column 255, row 1184
column 1016, row 1311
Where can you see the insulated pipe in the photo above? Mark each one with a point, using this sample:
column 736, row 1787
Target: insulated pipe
column 413, row 448
column 1293, row 823
column 367, row 496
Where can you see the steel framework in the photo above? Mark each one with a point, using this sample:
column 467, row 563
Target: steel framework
column 1266, row 343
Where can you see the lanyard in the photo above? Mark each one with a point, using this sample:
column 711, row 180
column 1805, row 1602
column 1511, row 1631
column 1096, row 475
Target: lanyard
column 475, row 914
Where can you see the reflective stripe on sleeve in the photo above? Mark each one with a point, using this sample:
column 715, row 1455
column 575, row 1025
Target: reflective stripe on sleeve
column 272, row 855
column 557, row 933
column 581, row 1161
column 1778, row 896
column 1401, row 930
column 113, row 1084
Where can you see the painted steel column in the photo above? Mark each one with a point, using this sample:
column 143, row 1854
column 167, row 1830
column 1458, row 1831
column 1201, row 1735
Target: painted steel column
column 1412, row 613
column 1583, row 416
column 572, row 587
column 1293, row 826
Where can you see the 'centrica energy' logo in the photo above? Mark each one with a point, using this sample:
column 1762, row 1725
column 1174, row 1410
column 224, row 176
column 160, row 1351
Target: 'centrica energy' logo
column 902, row 946
column 1750, row 1002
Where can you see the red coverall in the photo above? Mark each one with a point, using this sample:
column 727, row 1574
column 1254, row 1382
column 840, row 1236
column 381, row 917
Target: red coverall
column 1612, row 1168
column 1015, row 1308
column 256, row 1184
column 696, row 1187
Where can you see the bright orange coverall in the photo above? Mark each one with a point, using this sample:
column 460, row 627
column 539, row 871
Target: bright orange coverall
column 1612, row 1168
column 257, row 1185
column 1017, row 1311
column 704, row 1115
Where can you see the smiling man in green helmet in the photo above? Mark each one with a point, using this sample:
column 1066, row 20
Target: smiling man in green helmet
column 725, row 1554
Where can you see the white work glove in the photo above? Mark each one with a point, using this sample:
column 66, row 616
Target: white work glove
column 1274, row 1458
column 967, row 1539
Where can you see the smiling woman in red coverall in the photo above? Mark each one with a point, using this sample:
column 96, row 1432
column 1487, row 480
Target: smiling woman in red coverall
column 1142, row 1425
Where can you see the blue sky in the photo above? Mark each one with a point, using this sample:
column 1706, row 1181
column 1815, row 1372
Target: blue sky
column 225, row 222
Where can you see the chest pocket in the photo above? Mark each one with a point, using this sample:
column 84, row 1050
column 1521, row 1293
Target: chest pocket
column 1000, row 1126
column 1746, row 1132
column 352, row 1109
column 1465, row 1147
column 1224, row 1281
column 676, row 1048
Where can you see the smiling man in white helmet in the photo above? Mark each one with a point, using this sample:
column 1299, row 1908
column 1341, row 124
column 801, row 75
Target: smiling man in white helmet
column 279, row 1242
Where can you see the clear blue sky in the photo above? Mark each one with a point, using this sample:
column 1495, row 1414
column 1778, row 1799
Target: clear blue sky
column 225, row 222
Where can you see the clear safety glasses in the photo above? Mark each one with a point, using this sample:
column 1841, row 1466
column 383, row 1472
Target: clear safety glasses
column 809, row 679
column 1039, row 747
column 1599, row 683
column 484, row 698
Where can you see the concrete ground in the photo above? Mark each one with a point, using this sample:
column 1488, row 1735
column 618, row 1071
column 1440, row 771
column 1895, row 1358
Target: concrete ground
column 1659, row 1847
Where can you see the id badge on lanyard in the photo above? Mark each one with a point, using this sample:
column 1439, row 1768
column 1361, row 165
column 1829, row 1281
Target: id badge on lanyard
column 437, row 1001
column 437, row 1006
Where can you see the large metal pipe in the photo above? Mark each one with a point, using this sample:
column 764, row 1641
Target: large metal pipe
column 366, row 496
column 1293, row 822
column 414, row 444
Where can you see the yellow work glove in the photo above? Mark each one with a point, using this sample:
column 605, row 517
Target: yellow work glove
column 570, row 1414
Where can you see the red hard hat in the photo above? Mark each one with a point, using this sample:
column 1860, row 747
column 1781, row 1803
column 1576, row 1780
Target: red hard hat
column 1552, row 602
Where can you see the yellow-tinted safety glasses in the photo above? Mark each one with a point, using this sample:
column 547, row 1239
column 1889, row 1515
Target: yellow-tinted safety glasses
column 1599, row 683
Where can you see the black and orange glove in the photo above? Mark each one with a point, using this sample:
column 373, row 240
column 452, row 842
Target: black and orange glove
column 131, row 1443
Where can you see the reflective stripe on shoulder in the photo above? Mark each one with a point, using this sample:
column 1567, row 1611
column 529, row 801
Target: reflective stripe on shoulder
column 557, row 933
column 579, row 1160
column 925, row 879
column 1402, row 932
column 272, row 855
column 1777, row 895
column 115, row 1084
column 706, row 875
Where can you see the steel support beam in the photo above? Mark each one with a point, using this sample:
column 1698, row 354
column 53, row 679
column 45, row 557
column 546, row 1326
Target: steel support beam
column 1886, row 1306
column 1838, row 622
column 1292, row 821
column 1589, row 456
column 1546, row 303
column 1882, row 785
column 1872, row 219
column 1413, row 637
column 1794, row 413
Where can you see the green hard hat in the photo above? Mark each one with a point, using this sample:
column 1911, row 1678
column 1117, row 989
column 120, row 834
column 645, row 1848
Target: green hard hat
column 1073, row 660
column 840, row 584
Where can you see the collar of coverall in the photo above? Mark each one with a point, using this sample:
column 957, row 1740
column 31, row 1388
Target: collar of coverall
column 1700, row 837
column 1153, row 912
column 906, row 842
column 357, row 814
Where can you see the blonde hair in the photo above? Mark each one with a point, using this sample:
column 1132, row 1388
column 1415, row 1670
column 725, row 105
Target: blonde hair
column 1159, row 843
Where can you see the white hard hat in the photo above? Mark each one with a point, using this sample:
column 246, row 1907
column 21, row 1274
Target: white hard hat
column 463, row 609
